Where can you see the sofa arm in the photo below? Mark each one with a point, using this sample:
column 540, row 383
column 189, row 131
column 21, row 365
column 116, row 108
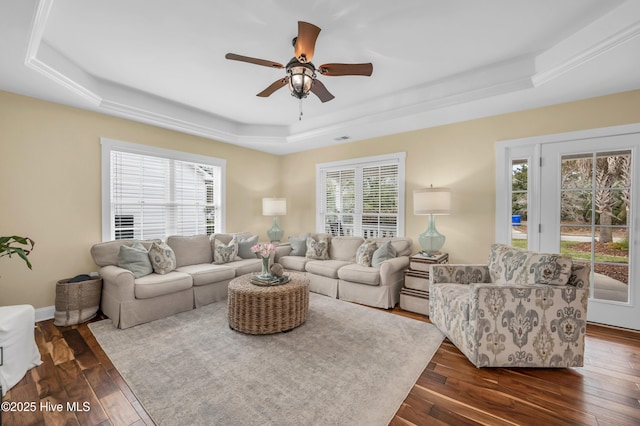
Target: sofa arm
column 118, row 282
column 281, row 251
column 392, row 270
column 459, row 273
column 527, row 325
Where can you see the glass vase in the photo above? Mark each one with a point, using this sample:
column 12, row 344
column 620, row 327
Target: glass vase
column 265, row 267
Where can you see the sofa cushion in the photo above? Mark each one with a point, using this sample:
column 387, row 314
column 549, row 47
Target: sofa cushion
column 225, row 252
column 163, row 259
column 385, row 252
column 244, row 247
column 344, row 248
column 154, row 285
column 293, row 263
column 510, row 265
column 208, row 273
column 246, row 266
column 190, row 250
column 298, row 245
column 325, row 268
column 359, row 274
column 364, row 254
column 135, row 259
column 317, row 249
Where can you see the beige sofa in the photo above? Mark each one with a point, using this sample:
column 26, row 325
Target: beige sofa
column 195, row 281
column 341, row 277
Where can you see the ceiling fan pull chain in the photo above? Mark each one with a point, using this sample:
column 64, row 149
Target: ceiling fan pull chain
column 300, row 117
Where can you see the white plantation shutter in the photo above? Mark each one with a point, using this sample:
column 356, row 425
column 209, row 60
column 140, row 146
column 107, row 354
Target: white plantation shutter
column 153, row 193
column 363, row 197
column 380, row 191
column 339, row 202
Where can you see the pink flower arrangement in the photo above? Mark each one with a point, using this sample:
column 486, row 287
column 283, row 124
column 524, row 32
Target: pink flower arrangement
column 264, row 249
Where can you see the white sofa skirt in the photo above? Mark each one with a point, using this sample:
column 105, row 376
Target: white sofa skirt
column 19, row 350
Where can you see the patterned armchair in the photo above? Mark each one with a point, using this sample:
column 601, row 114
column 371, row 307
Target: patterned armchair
column 522, row 309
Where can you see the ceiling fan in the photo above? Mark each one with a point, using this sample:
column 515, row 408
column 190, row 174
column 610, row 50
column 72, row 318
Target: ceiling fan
column 301, row 73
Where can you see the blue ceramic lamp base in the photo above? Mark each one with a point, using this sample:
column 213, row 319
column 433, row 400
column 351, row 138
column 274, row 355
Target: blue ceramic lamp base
column 431, row 240
column 275, row 234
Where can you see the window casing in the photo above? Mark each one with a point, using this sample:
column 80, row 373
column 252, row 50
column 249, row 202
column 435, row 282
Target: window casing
column 150, row 192
column 361, row 197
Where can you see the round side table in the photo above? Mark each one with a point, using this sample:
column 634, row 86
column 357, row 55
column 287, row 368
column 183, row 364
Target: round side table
column 265, row 310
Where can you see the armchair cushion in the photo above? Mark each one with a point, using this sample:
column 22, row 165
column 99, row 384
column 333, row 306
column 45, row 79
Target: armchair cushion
column 510, row 265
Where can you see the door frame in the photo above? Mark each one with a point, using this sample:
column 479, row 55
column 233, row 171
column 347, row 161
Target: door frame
column 531, row 148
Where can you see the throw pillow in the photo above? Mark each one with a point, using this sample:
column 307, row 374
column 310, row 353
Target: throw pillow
column 298, row 245
column 364, row 254
column 318, row 250
column 135, row 259
column 225, row 253
column 385, row 252
column 163, row 259
column 244, row 247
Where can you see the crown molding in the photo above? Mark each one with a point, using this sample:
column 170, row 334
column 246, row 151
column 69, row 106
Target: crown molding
column 609, row 32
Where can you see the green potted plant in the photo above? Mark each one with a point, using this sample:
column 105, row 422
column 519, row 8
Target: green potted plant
column 21, row 246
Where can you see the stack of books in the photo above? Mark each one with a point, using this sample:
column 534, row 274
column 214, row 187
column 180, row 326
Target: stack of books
column 269, row 280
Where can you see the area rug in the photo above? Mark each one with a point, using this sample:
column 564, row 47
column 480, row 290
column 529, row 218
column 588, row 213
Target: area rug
column 346, row 365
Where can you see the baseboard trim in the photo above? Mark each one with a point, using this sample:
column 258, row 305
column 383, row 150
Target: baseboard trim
column 45, row 313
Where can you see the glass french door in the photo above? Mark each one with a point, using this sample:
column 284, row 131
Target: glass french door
column 588, row 209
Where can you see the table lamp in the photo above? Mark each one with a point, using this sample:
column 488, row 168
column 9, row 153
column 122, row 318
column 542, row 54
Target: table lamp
column 431, row 201
column 274, row 207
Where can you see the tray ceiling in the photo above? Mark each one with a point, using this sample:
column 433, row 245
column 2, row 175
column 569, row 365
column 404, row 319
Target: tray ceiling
column 162, row 62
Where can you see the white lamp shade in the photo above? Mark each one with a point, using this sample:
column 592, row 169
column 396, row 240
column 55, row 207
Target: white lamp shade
column 274, row 206
column 432, row 201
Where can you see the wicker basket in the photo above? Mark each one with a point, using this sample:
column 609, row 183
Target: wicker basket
column 77, row 302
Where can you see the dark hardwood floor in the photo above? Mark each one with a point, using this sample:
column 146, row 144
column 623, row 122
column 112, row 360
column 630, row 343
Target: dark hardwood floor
column 606, row 391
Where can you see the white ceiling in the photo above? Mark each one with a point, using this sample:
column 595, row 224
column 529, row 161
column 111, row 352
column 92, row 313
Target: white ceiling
column 434, row 62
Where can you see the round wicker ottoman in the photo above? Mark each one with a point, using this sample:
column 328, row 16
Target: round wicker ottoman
column 265, row 310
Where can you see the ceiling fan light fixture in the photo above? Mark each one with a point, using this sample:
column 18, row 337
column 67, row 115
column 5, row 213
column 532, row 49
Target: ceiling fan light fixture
column 301, row 79
column 301, row 73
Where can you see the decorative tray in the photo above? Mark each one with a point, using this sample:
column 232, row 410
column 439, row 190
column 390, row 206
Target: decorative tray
column 270, row 281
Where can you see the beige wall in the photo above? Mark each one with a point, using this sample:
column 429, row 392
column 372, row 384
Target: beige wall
column 50, row 187
column 460, row 156
column 50, row 178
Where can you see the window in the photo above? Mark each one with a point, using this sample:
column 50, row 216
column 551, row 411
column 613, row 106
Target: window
column 363, row 197
column 153, row 193
column 519, row 202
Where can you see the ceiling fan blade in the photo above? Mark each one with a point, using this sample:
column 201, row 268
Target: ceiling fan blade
column 306, row 41
column 320, row 91
column 273, row 87
column 346, row 69
column 256, row 61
